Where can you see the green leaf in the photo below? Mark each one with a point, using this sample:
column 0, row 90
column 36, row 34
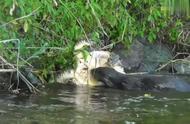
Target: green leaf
column 85, row 54
column 25, row 26
column 151, row 37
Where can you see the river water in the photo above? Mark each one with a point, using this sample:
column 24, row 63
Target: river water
column 60, row 104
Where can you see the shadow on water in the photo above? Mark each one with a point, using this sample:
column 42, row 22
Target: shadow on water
column 60, row 104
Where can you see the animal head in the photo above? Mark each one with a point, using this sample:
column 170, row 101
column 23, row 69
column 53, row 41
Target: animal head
column 87, row 60
column 94, row 60
column 85, row 63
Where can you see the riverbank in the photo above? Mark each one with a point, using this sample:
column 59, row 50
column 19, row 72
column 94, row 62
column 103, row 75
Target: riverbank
column 141, row 57
column 40, row 37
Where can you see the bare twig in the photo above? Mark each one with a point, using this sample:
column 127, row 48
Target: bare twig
column 110, row 45
column 184, row 44
column 30, row 86
column 137, row 73
column 107, row 46
column 19, row 74
column 171, row 61
column 7, row 70
column 7, row 63
column 123, row 34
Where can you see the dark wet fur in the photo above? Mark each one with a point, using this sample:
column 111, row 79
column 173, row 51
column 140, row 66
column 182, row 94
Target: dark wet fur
column 113, row 79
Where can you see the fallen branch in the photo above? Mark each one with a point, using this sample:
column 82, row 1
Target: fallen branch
column 28, row 83
column 16, row 68
column 171, row 61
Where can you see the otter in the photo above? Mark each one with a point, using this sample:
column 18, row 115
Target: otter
column 143, row 82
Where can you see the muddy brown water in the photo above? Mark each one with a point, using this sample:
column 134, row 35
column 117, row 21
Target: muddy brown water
column 60, row 104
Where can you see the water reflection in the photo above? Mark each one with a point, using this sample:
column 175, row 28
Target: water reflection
column 83, row 105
